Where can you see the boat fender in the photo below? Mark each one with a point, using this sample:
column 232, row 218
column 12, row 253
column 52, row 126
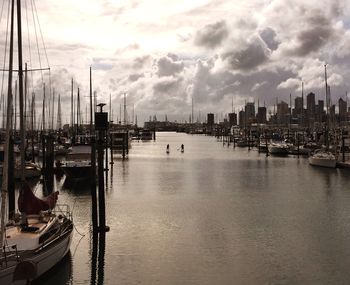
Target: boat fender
column 25, row 270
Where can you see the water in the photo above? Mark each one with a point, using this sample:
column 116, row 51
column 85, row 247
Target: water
column 212, row 215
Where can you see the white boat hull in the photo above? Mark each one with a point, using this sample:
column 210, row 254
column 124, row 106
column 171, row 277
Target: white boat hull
column 323, row 162
column 44, row 260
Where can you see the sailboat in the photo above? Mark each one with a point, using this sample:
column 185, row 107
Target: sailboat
column 324, row 157
column 37, row 238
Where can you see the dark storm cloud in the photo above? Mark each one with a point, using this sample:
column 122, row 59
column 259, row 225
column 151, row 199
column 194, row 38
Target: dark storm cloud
column 211, row 35
column 315, row 27
column 251, row 56
column 318, row 32
column 168, row 65
column 268, row 35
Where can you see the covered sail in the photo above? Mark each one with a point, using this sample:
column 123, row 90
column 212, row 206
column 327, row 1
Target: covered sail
column 30, row 204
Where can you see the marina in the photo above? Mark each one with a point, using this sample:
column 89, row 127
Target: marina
column 212, row 215
column 244, row 181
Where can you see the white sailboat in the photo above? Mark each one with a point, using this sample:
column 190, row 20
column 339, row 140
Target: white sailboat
column 324, row 157
column 37, row 238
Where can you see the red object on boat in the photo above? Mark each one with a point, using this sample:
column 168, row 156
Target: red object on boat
column 30, row 204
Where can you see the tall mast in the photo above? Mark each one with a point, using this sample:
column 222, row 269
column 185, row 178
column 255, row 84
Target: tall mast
column 302, row 101
column 71, row 107
column 43, row 116
column 59, row 115
column 4, row 189
column 53, row 108
column 124, row 108
column 90, row 102
column 110, row 107
column 20, row 87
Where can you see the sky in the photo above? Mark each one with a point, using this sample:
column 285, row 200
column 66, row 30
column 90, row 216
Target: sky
column 164, row 53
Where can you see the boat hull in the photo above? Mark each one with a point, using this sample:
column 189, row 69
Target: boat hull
column 43, row 259
column 77, row 172
column 331, row 163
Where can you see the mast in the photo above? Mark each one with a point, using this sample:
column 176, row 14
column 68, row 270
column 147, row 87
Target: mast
column 110, row 107
column 8, row 130
column 78, row 111
column 53, row 108
column 124, row 109
column 302, row 101
column 43, row 116
column 327, row 107
column 59, row 115
column 71, row 108
column 90, row 102
column 20, row 88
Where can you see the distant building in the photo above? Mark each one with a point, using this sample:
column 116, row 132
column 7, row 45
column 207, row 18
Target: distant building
column 310, row 104
column 210, row 119
column 342, row 105
column 250, row 113
column 261, row 116
column 242, row 119
column 282, row 113
column 298, row 103
column 232, row 119
column 319, row 110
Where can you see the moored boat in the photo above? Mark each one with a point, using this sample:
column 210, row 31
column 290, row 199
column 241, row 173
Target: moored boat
column 323, row 158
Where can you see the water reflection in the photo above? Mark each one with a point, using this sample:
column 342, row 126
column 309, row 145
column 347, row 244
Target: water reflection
column 98, row 243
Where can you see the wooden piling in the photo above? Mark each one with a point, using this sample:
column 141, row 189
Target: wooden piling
column 111, row 148
column 94, row 209
column 101, row 185
column 49, row 163
column 11, row 181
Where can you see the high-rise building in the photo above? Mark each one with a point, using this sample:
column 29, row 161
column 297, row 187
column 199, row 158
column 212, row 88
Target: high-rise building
column 210, row 119
column 282, row 113
column 232, row 119
column 320, row 112
column 342, row 105
column 250, row 112
column 261, row 116
column 298, row 103
column 310, row 104
column 242, row 119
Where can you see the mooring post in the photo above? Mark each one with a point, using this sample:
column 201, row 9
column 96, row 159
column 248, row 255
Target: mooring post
column 11, row 181
column 127, row 142
column 93, row 185
column 123, row 153
column 111, row 147
column 106, row 147
column 343, row 146
column 49, row 162
column 298, row 152
column 267, row 146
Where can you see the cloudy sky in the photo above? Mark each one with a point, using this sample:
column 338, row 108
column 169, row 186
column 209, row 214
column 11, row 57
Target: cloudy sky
column 163, row 53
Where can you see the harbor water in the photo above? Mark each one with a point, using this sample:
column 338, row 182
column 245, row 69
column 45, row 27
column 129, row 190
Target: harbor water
column 211, row 215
